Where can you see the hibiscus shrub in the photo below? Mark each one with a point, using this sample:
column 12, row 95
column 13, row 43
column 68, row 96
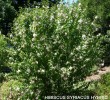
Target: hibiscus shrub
column 53, row 50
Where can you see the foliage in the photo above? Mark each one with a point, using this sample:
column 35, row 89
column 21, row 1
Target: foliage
column 53, row 50
column 7, row 14
column 3, row 55
column 10, row 90
column 95, row 7
column 2, row 50
column 10, row 8
column 100, row 10
column 102, row 87
column 32, row 3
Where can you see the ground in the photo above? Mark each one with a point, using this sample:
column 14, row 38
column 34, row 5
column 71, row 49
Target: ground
column 97, row 75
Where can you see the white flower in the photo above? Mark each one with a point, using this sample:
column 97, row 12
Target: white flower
column 84, row 46
column 38, row 54
column 32, row 81
column 76, row 15
column 66, row 33
column 61, row 27
column 18, row 71
column 34, row 35
column 32, row 92
column 36, row 6
column 96, row 17
column 14, row 43
column 23, row 46
column 96, row 29
column 78, row 48
column 33, row 39
column 41, row 71
column 102, row 64
column 17, row 89
column 78, row 27
column 55, row 54
column 47, row 48
column 11, row 35
column 67, row 62
column 58, row 22
column 53, row 68
column 83, row 36
column 57, row 36
column 70, row 68
column 28, row 70
column 80, row 57
column 52, row 17
column 71, row 53
column 80, row 21
column 87, row 59
column 19, row 49
column 73, row 59
column 59, row 14
column 19, row 33
column 86, row 42
column 92, row 24
column 18, row 98
column 79, row 4
column 10, row 58
column 36, row 62
column 32, row 45
column 99, row 34
column 63, row 69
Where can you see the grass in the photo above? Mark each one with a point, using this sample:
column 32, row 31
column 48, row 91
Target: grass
column 101, row 87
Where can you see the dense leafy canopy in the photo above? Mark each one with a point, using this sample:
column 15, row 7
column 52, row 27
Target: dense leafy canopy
column 24, row 3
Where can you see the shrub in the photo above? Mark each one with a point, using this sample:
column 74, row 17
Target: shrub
column 53, row 50
column 10, row 90
column 3, row 56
